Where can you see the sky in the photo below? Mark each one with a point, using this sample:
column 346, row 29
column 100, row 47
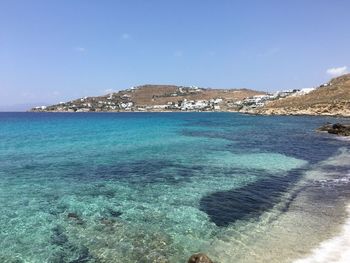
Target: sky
column 58, row 50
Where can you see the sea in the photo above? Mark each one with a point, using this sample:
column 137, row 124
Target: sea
column 158, row 187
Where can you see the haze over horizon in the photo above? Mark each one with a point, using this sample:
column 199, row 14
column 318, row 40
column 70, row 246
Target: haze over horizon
column 53, row 51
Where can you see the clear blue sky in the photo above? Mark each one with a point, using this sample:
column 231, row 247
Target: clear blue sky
column 58, row 50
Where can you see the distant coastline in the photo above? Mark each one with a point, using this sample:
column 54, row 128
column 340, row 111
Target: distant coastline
column 329, row 99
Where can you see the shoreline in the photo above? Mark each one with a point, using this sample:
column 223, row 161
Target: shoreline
column 311, row 212
column 336, row 115
column 296, row 114
column 240, row 112
column 333, row 250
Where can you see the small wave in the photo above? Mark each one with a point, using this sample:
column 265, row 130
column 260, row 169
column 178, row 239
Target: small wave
column 335, row 182
column 343, row 138
column 335, row 250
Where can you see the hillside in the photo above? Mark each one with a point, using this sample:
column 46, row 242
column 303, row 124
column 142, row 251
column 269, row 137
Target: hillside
column 332, row 98
column 156, row 98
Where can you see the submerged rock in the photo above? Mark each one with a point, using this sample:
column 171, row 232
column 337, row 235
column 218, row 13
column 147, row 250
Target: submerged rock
column 115, row 213
column 107, row 222
column 83, row 255
column 75, row 217
column 199, row 258
column 58, row 236
column 339, row 129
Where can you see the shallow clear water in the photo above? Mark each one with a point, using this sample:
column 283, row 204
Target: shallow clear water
column 140, row 187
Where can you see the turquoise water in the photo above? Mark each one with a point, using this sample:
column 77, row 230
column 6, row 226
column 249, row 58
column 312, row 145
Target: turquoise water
column 140, row 187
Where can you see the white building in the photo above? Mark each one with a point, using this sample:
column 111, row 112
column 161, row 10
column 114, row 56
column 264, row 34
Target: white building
column 194, row 105
column 303, row 91
column 126, row 105
column 41, row 108
column 160, row 106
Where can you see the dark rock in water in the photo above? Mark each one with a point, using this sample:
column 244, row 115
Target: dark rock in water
column 83, row 256
column 73, row 216
column 107, row 222
column 59, row 240
column 68, row 251
column 325, row 127
column 343, row 130
column 58, row 237
column 199, row 258
column 76, row 218
column 57, row 257
column 339, row 129
column 115, row 213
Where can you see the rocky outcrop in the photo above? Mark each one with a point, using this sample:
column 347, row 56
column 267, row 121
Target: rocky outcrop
column 331, row 109
column 75, row 218
column 330, row 99
column 199, row 258
column 338, row 129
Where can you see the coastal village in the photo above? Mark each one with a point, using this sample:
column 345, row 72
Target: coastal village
column 157, row 98
column 160, row 98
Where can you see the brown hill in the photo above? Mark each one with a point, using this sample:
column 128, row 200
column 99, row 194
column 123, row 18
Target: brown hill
column 158, row 98
column 162, row 94
column 332, row 98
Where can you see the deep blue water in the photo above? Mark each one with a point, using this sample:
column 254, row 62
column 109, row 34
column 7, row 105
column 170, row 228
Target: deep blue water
column 143, row 187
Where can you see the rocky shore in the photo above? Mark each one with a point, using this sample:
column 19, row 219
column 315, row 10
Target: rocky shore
column 199, row 258
column 330, row 99
column 331, row 109
column 338, row 129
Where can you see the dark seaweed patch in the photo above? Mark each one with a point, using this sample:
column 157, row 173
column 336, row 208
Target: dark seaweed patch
column 147, row 171
column 295, row 137
column 69, row 251
column 226, row 207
